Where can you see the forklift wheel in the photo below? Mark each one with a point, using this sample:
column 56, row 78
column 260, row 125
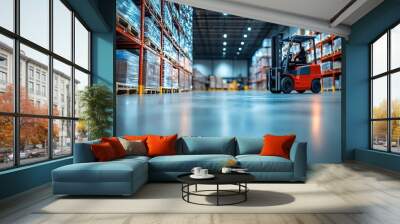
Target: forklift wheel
column 316, row 86
column 287, row 85
column 300, row 91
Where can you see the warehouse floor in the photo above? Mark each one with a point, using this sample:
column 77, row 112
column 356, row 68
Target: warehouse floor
column 313, row 118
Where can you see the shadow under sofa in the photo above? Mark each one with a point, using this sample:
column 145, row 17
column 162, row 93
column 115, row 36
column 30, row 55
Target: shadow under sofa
column 125, row 176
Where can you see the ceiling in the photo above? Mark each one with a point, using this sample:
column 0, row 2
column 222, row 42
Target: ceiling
column 328, row 16
column 209, row 28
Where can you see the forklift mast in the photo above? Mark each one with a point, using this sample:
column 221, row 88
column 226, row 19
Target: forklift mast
column 276, row 51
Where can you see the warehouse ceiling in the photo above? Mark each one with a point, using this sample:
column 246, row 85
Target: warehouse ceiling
column 208, row 35
column 328, row 16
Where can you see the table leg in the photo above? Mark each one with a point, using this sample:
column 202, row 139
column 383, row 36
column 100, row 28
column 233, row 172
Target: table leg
column 196, row 187
column 217, row 194
column 245, row 193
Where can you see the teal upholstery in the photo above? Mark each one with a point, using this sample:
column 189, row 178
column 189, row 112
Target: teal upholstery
column 185, row 163
column 83, row 152
column 119, row 177
column 257, row 163
column 246, row 145
column 206, row 145
column 125, row 176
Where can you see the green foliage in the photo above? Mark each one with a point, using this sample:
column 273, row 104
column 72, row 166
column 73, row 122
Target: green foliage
column 97, row 110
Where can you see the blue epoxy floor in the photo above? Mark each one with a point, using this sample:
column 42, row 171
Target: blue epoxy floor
column 313, row 118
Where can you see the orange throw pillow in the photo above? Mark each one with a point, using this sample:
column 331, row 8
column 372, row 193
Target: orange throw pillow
column 142, row 138
column 103, row 152
column 116, row 145
column 161, row 145
column 277, row 145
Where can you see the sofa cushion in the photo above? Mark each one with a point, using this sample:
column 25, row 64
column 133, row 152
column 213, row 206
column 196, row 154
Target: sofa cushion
column 161, row 145
column 249, row 145
column 278, row 145
column 103, row 152
column 116, row 145
column 112, row 171
column 185, row 163
column 206, row 145
column 257, row 163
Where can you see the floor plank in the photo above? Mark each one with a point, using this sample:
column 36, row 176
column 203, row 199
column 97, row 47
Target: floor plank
column 377, row 190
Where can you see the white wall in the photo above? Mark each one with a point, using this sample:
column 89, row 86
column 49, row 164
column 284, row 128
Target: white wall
column 222, row 68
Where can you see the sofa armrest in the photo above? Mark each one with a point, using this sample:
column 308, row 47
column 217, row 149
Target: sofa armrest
column 83, row 152
column 298, row 155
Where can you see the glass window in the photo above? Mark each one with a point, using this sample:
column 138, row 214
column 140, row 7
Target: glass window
column 31, row 57
column 7, row 74
column 395, row 136
column 62, row 71
column 35, row 21
column 379, row 135
column 62, row 138
column 6, row 142
column 379, row 98
column 379, row 56
column 395, row 95
column 34, row 144
column 81, row 131
column 62, row 29
column 395, row 47
column 7, row 14
column 385, row 125
column 81, row 82
column 81, row 45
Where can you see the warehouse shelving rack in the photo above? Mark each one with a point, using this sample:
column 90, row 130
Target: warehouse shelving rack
column 335, row 55
column 127, row 38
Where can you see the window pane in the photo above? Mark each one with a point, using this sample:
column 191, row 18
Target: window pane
column 62, row 89
column 395, row 136
column 7, row 14
column 6, row 142
column 81, row 131
column 81, row 82
column 379, row 135
column 379, row 55
column 62, row 29
column 33, row 140
column 35, row 21
column 34, row 80
column 395, row 95
column 395, row 47
column 62, row 138
column 379, row 98
column 81, row 45
column 6, row 74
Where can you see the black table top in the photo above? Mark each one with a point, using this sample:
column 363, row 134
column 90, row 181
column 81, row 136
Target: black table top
column 220, row 178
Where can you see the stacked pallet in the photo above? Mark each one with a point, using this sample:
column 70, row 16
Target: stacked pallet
column 152, row 32
column 128, row 15
column 151, row 70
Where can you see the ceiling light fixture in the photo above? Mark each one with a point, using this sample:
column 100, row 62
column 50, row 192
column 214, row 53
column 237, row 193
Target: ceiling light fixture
column 238, row 53
column 249, row 28
column 245, row 35
column 225, row 14
column 224, row 49
column 225, row 35
column 224, row 43
column 242, row 43
column 240, row 48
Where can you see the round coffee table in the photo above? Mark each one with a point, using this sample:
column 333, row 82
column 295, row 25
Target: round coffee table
column 238, row 179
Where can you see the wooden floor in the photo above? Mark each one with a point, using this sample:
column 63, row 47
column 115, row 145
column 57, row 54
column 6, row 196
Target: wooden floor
column 378, row 189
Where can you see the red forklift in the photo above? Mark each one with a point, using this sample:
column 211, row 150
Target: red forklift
column 289, row 71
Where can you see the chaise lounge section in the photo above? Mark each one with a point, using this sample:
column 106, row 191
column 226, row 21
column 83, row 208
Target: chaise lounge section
column 125, row 176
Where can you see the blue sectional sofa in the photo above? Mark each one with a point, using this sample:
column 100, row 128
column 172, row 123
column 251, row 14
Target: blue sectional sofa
column 125, row 176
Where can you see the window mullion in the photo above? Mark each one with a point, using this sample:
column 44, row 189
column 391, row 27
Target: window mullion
column 16, row 84
column 389, row 101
